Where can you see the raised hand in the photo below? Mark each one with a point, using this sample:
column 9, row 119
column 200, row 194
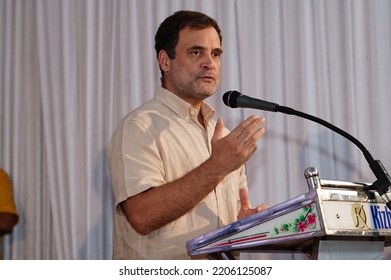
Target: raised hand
column 245, row 207
column 233, row 150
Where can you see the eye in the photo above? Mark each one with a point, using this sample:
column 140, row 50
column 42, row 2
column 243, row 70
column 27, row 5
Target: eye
column 217, row 53
column 196, row 52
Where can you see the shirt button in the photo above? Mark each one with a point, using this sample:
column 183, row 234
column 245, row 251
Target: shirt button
column 192, row 112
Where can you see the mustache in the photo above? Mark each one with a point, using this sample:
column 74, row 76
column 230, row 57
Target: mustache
column 208, row 74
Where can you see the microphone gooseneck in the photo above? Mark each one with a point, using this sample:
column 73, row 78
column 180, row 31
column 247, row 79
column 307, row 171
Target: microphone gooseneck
column 235, row 99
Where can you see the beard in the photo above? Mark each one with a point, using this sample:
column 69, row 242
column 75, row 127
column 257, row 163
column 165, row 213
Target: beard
column 193, row 86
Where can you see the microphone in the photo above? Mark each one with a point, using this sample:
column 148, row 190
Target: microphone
column 235, row 99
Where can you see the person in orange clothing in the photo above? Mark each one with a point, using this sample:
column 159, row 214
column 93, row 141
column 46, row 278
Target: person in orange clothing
column 8, row 214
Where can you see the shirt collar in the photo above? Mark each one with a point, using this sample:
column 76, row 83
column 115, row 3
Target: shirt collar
column 181, row 107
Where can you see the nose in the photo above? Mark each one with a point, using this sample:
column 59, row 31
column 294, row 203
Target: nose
column 209, row 62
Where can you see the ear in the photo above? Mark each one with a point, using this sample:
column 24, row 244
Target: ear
column 164, row 60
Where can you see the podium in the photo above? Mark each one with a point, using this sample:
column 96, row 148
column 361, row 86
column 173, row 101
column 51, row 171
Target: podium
column 333, row 220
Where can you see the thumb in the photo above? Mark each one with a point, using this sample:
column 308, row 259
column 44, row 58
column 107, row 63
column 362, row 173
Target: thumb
column 218, row 130
column 244, row 201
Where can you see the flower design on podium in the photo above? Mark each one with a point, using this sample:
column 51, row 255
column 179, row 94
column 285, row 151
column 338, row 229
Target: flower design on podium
column 306, row 221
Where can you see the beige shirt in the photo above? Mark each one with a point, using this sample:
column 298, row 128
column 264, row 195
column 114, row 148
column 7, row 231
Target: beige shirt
column 157, row 143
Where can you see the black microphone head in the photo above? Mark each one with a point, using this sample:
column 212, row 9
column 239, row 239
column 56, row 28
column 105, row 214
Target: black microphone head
column 229, row 98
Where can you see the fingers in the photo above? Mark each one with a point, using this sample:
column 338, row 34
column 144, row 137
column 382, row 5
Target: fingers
column 261, row 207
column 231, row 151
column 251, row 141
column 218, row 133
column 245, row 207
column 253, row 131
column 244, row 201
column 249, row 130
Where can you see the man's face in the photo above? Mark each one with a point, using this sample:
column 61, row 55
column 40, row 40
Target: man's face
column 194, row 74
